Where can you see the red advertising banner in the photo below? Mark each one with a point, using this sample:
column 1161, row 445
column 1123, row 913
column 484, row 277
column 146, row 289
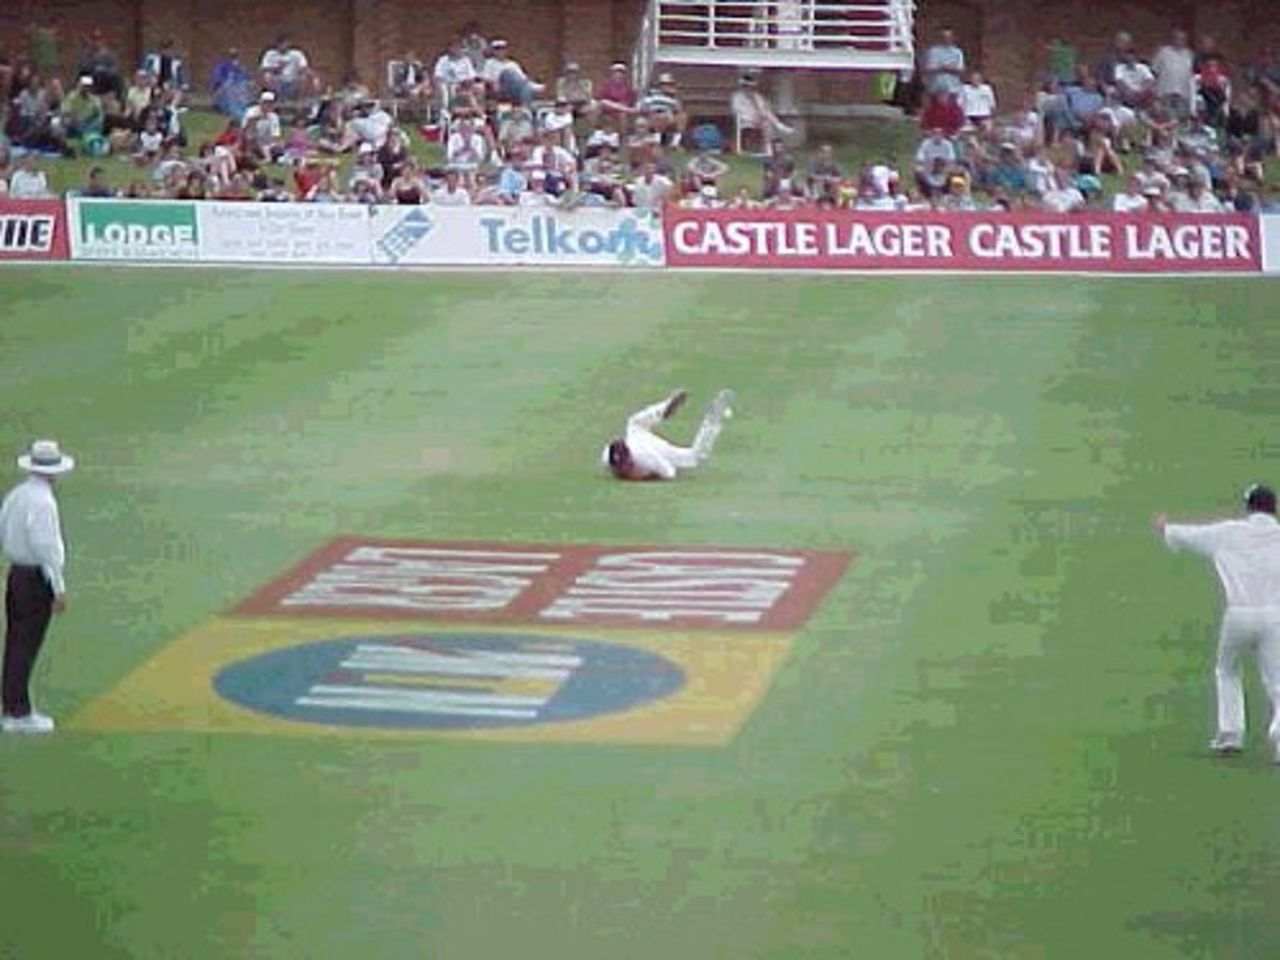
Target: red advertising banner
column 858, row 240
column 33, row 230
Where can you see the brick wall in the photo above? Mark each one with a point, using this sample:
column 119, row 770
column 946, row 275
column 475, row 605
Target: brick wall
column 1005, row 38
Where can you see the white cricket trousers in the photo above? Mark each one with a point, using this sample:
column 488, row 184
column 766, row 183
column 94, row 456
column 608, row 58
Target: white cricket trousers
column 659, row 455
column 1245, row 629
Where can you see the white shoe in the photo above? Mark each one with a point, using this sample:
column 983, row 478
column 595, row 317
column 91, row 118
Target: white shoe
column 31, row 723
column 1226, row 745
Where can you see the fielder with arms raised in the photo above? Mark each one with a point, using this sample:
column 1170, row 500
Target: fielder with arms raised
column 1246, row 554
column 643, row 455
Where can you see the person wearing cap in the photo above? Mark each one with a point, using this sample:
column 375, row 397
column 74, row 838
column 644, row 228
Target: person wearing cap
column 1246, row 555
column 666, row 113
column 505, row 77
column 616, row 97
column 261, row 126
column 82, row 110
column 31, row 541
column 641, row 454
column 576, row 91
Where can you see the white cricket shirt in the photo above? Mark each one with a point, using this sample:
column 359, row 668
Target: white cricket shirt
column 30, row 532
column 1246, row 554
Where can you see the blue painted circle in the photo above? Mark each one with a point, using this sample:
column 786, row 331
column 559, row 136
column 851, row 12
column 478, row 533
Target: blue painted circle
column 448, row 681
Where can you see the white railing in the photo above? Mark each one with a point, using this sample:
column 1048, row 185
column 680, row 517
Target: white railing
column 646, row 48
column 882, row 26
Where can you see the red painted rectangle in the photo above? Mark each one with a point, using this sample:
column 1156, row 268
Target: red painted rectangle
column 33, row 230
column 597, row 586
column 1027, row 241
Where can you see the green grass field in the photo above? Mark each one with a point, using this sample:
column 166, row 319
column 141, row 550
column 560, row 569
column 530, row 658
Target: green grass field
column 989, row 742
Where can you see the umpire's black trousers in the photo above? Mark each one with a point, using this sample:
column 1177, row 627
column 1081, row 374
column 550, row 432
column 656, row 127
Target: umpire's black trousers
column 28, row 605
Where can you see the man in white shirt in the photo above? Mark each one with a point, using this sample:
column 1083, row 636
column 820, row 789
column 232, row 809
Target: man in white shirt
column 31, row 541
column 1246, row 555
column 1132, row 199
column 643, row 455
column 1198, row 198
column 452, row 68
column 978, row 101
column 28, row 182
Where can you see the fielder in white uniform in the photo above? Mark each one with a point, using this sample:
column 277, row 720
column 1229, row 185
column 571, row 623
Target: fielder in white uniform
column 643, row 455
column 1246, row 554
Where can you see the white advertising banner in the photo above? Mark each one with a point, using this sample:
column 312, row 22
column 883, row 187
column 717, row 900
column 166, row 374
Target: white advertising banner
column 284, row 232
column 516, row 236
column 133, row 230
column 1271, row 243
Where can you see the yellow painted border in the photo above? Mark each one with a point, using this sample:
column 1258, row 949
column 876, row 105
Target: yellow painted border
column 726, row 675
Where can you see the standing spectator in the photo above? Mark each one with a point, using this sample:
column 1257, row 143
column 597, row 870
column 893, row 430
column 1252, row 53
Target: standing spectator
column 1246, row 555
column 103, row 67
column 1213, row 81
column 28, row 182
column 231, row 86
column 166, row 66
column 1174, row 67
column 943, row 71
column 31, row 541
column 616, row 98
column 978, row 101
column 286, row 71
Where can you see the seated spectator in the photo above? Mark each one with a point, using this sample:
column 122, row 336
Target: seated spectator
column 326, row 189
column 231, row 86
column 393, row 156
column 512, row 182
column 194, row 187
column 149, row 143
column 82, row 111
column 451, row 193
column 978, row 101
column 536, row 195
column 407, row 81
column 166, row 66
column 824, row 176
column 97, row 185
column 958, row 195
column 30, row 121
column 575, row 90
column 616, row 97
column 172, row 169
column 1102, row 154
column 651, row 190
column 742, row 200
column 139, row 98
column 643, row 144
column 558, row 121
column 218, row 163
column 1083, row 100
column 286, row 71
column 778, row 169
column 666, row 114
column 102, row 66
column 704, row 169
column 366, row 167
column 752, row 109
column 1131, row 199
column 602, row 176
column 370, row 123
column 1063, row 196
column 467, row 149
column 1009, row 173
column 296, row 145
column 1133, row 81
column 506, row 78
column 452, row 69
column 515, row 126
column 263, row 137
column 28, row 182
column 1191, row 194
column 366, row 191
column 1152, row 174
column 408, row 186
column 1105, row 71
column 934, row 159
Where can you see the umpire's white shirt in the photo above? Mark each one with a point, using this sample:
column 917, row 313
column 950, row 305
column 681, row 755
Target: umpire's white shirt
column 30, row 532
column 1245, row 552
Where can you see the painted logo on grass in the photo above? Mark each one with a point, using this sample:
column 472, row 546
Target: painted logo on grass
column 448, row 681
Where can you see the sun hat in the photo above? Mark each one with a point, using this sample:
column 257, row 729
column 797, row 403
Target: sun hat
column 46, row 458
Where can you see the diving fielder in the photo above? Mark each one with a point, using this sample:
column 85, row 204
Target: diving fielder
column 1246, row 554
column 643, row 455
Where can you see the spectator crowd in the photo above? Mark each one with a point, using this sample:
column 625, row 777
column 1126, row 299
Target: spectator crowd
column 1184, row 129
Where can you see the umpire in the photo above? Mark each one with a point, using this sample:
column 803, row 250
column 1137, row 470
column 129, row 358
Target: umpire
column 31, row 540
